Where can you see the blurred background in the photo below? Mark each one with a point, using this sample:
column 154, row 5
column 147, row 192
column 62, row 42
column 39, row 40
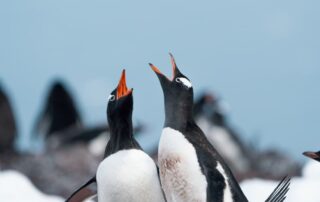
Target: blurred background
column 254, row 66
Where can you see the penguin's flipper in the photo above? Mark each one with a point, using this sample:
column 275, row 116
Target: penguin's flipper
column 84, row 192
column 279, row 193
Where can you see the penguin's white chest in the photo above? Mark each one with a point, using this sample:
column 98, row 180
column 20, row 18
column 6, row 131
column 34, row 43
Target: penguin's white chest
column 128, row 176
column 180, row 172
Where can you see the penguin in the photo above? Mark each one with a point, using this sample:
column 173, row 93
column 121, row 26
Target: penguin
column 8, row 128
column 313, row 155
column 190, row 167
column 127, row 173
column 59, row 114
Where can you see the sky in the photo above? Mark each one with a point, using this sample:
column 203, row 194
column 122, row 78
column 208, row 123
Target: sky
column 261, row 57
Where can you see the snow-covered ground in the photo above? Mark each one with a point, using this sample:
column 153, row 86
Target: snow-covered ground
column 302, row 189
column 15, row 187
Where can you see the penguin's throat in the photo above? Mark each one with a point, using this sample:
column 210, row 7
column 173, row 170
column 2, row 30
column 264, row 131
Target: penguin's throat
column 121, row 137
column 121, row 129
column 177, row 115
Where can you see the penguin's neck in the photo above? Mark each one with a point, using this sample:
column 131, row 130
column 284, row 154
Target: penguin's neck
column 121, row 136
column 178, row 115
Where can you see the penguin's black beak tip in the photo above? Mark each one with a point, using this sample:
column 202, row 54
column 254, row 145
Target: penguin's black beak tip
column 155, row 69
column 312, row 155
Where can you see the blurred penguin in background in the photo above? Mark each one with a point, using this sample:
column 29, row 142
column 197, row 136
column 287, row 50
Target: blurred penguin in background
column 8, row 128
column 210, row 114
column 244, row 159
column 59, row 113
column 60, row 122
column 313, row 155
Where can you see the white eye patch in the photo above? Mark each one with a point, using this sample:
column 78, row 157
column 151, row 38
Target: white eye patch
column 111, row 97
column 184, row 81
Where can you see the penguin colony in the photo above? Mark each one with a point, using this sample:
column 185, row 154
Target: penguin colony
column 190, row 168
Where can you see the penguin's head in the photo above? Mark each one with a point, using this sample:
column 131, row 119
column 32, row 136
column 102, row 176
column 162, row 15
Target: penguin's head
column 313, row 155
column 120, row 101
column 177, row 89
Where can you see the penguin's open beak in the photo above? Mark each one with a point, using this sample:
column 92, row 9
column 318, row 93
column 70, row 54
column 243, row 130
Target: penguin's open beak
column 122, row 89
column 312, row 155
column 175, row 69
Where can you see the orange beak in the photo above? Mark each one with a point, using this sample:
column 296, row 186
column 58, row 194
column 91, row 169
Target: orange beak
column 122, row 89
column 173, row 63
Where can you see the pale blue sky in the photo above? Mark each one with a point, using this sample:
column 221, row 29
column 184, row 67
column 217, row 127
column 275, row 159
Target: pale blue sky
column 262, row 57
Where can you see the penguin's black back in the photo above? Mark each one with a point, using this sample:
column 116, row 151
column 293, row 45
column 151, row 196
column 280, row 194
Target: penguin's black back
column 208, row 158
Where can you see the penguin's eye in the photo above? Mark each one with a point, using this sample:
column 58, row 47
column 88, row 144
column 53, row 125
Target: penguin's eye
column 111, row 98
column 184, row 82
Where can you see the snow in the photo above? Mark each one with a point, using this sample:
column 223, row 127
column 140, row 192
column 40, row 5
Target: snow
column 15, row 187
column 303, row 188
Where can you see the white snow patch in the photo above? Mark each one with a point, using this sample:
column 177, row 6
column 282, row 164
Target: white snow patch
column 15, row 187
column 303, row 188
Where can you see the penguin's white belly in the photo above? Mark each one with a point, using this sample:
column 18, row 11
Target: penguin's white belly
column 128, row 176
column 180, row 172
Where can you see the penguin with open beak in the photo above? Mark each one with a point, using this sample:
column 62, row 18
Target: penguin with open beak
column 313, row 155
column 127, row 173
column 190, row 167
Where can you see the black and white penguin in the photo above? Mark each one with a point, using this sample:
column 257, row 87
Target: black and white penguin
column 8, row 128
column 313, row 155
column 190, row 167
column 127, row 173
